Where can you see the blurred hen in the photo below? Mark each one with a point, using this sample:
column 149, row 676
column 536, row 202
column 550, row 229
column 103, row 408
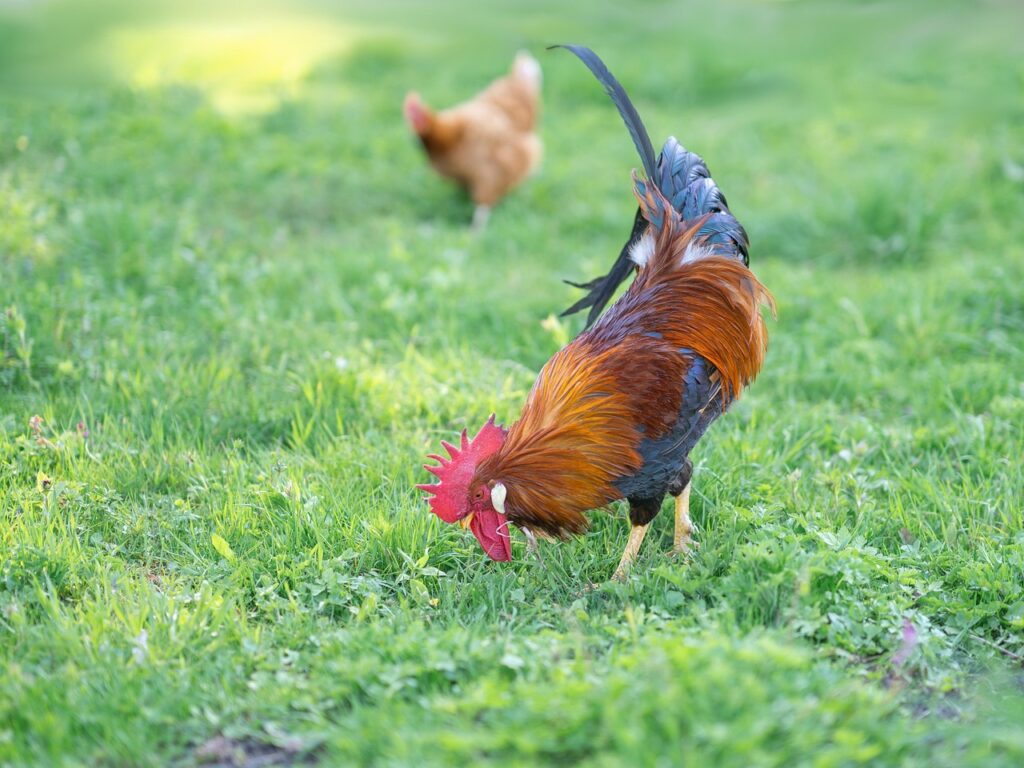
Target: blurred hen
column 487, row 144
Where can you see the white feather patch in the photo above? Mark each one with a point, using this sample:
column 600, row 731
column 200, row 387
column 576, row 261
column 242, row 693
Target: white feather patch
column 498, row 494
column 642, row 250
column 695, row 251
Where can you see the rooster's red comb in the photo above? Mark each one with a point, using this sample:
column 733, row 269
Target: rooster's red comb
column 450, row 494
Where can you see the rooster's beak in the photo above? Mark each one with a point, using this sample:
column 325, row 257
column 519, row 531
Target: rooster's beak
column 467, row 520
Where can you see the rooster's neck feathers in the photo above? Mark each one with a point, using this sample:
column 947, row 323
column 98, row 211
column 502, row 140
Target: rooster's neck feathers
column 576, row 435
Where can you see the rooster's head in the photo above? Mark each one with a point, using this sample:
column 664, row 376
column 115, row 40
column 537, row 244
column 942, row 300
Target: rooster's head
column 457, row 497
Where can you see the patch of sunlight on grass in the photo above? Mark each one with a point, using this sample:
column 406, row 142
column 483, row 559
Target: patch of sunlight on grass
column 242, row 65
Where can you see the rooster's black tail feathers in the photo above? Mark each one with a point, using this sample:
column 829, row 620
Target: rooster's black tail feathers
column 683, row 179
column 634, row 124
column 601, row 289
column 686, row 181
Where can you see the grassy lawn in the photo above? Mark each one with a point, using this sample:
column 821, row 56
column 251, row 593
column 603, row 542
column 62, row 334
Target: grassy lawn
column 238, row 309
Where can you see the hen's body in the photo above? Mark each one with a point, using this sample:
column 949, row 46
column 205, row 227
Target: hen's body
column 487, row 144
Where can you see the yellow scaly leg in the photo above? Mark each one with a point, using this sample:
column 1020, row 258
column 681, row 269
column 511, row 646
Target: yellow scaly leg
column 684, row 527
column 636, row 538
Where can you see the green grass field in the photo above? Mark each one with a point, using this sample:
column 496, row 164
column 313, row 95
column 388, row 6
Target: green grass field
column 238, row 309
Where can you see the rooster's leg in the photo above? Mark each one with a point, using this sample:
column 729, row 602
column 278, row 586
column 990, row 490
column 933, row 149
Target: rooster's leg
column 636, row 538
column 684, row 527
column 680, row 488
column 480, row 216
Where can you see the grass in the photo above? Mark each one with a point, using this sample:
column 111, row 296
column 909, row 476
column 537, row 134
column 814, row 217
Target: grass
column 229, row 337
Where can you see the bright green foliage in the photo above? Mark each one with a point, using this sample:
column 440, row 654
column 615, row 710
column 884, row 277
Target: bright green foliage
column 229, row 336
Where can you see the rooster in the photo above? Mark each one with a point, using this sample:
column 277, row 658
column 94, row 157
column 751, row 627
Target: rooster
column 488, row 144
column 615, row 413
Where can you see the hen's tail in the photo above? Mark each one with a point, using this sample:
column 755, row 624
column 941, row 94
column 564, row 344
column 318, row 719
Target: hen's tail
column 684, row 180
